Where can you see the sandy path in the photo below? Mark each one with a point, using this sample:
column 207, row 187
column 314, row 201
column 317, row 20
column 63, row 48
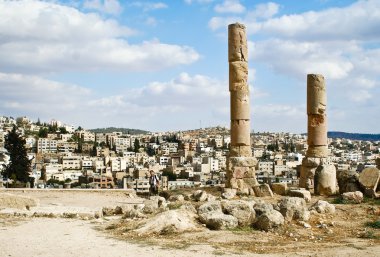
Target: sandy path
column 45, row 237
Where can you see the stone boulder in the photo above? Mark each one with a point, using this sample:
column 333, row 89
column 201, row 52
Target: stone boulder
column 212, row 216
column 229, row 193
column 294, row 208
column 176, row 198
column 279, row 188
column 269, row 220
column 200, row 196
column 261, row 207
column 369, row 181
column 173, row 221
column 263, row 190
column 133, row 214
column 161, row 201
column 150, row 206
column 241, row 210
column 302, row 193
column 323, row 207
column 354, row 197
column 348, row 181
column 325, row 182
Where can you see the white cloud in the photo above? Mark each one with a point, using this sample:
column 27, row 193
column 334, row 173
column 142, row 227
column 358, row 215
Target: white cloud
column 198, row 1
column 358, row 21
column 36, row 96
column 151, row 21
column 55, row 38
column 230, row 6
column 150, row 6
column 160, row 105
column 105, row 6
column 264, row 11
column 301, row 58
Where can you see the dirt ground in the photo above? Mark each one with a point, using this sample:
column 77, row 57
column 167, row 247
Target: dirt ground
column 345, row 233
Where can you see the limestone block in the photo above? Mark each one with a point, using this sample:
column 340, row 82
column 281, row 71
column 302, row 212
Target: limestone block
column 263, row 190
column 317, row 151
column 237, row 43
column 269, row 220
column 356, row 197
column 317, row 130
column 242, row 161
column 232, row 183
column 316, row 94
column 302, row 193
column 238, row 76
column 311, row 162
column 325, row 180
column 306, row 179
column 294, row 208
column 279, row 188
column 238, row 172
column 348, row 181
column 250, row 182
column 369, row 178
column 323, row 207
column 240, row 132
column 229, row 193
column 240, row 108
column 241, row 210
column 240, row 151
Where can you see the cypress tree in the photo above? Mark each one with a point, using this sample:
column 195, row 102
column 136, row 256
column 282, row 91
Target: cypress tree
column 20, row 165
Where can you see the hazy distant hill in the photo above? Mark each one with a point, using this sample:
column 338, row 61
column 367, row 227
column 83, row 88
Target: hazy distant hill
column 124, row 130
column 354, row 136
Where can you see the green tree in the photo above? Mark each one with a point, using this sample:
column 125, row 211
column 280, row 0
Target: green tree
column 19, row 166
column 136, row 145
column 63, row 130
column 171, row 175
column 43, row 132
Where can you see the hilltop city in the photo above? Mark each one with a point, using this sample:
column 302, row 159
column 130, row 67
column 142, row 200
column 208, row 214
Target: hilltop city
column 70, row 156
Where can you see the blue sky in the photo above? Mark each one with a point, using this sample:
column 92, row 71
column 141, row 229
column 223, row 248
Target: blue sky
column 162, row 65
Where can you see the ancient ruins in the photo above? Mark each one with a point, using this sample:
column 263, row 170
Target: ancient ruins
column 240, row 165
column 316, row 172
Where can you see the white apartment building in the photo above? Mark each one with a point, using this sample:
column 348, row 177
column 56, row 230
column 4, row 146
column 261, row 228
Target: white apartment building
column 30, row 142
column 65, row 137
column 164, row 160
column 118, row 164
column 280, row 169
column 266, row 166
column 101, row 137
column 45, row 145
column 52, row 169
column 71, row 163
column 352, row 156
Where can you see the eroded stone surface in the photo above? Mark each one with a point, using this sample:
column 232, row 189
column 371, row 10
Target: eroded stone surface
column 369, row 178
column 325, row 180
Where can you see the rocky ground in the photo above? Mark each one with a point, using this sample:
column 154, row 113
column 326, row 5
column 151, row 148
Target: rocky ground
column 117, row 223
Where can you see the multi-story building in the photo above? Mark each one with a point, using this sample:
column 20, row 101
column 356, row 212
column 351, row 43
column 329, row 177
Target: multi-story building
column 71, row 162
column 45, row 145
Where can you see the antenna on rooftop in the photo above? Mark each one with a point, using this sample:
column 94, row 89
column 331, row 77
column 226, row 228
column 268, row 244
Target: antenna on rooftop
column 200, row 124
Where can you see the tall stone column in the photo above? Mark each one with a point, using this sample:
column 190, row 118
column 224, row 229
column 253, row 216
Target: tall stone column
column 316, row 172
column 240, row 165
column 316, row 116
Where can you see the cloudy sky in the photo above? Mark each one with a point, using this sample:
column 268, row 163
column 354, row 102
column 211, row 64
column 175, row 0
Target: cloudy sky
column 162, row 65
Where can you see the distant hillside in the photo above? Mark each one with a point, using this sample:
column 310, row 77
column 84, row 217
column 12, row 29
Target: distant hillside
column 354, row 136
column 124, row 130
